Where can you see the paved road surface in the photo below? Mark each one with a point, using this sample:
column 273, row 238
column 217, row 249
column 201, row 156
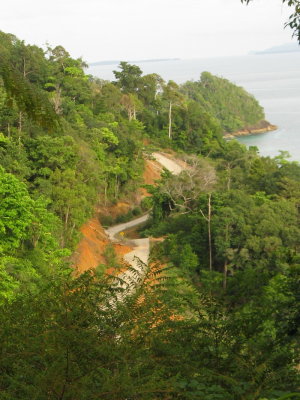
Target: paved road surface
column 114, row 230
column 138, row 257
column 170, row 165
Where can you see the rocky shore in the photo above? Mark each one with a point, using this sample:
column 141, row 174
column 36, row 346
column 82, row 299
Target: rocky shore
column 261, row 127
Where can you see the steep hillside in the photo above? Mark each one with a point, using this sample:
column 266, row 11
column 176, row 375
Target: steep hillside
column 217, row 314
column 228, row 103
column 90, row 251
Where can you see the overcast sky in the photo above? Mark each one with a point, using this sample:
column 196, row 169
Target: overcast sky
column 140, row 29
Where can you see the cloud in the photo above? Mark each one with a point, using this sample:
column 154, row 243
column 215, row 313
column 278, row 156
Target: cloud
column 106, row 29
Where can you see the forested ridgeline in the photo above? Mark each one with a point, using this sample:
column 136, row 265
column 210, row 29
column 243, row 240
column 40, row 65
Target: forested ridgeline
column 220, row 319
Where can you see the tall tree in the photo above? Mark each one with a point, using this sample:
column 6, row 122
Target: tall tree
column 185, row 189
column 128, row 79
column 173, row 96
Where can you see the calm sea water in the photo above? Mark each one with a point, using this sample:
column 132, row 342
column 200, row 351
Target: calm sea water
column 274, row 79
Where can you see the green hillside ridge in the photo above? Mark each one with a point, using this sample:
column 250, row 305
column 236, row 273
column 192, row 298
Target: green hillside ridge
column 231, row 105
column 217, row 317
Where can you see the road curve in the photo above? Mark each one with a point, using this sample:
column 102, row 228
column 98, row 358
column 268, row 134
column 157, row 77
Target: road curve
column 114, row 230
column 138, row 257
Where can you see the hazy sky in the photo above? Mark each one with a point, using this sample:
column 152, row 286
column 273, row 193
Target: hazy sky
column 138, row 29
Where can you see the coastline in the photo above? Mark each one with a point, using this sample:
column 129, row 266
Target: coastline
column 261, row 127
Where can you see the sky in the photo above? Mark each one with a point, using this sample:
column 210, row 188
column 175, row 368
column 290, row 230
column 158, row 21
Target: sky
column 98, row 30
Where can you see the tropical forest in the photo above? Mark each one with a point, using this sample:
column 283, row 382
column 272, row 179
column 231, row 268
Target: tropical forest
column 143, row 254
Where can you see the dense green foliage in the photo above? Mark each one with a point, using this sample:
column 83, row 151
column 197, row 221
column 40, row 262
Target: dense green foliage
column 247, row 207
column 232, row 106
column 59, row 134
column 221, row 319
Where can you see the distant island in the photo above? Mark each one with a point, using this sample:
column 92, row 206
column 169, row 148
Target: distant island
column 284, row 48
column 116, row 62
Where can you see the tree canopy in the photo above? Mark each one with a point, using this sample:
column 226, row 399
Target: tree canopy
column 217, row 315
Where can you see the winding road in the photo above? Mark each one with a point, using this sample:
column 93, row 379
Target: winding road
column 138, row 257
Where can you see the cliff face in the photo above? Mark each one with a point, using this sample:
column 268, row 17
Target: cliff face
column 261, row 127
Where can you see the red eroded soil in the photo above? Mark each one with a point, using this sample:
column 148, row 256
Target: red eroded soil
column 151, row 174
column 89, row 252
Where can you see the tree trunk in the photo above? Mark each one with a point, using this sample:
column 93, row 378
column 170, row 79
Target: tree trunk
column 209, row 231
column 130, row 113
column 20, row 126
column 57, row 100
column 116, row 187
column 170, row 120
column 225, row 275
column 24, row 67
column 72, row 229
column 228, row 177
column 134, row 112
column 105, row 192
column 67, row 218
column 225, row 264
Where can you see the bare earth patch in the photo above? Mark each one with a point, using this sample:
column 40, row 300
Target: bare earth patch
column 90, row 250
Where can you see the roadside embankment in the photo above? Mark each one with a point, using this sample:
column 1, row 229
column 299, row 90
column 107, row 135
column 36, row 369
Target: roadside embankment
column 90, row 250
column 138, row 257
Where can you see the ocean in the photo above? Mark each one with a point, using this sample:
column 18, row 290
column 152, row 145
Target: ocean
column 274, row 79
